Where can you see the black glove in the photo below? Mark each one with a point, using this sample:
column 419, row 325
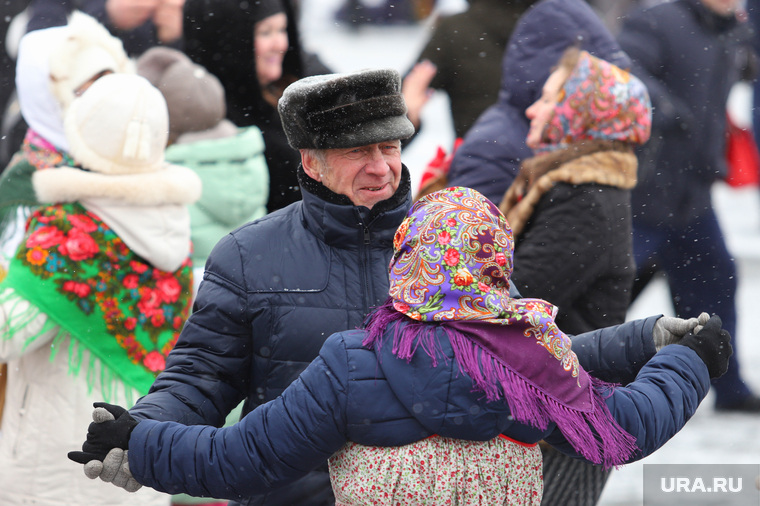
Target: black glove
column 712, row 344
column 103, row 436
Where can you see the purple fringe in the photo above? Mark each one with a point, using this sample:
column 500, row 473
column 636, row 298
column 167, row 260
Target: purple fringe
column 595, row 435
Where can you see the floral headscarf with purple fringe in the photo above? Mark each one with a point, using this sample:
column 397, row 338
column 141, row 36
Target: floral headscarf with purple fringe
column 450, row 268
column 599, row 101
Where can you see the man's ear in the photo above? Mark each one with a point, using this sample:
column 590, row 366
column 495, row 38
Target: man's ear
column 311, row 166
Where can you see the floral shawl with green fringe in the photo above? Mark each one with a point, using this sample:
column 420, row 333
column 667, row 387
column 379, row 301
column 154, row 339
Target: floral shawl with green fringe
column 78, row 272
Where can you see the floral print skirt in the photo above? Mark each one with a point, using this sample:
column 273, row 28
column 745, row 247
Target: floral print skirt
column 438, row 471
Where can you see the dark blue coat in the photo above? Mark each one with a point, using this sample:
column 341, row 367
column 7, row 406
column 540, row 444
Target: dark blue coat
column 273, row 291
column 494, row 147
column 689, row 57
column 373, row 398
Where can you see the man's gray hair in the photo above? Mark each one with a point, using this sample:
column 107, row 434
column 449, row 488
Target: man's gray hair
column 320, row 155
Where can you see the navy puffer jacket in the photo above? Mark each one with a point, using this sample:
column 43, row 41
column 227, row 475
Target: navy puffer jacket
column 371, row 397
column 272, row 293
column 490, row 157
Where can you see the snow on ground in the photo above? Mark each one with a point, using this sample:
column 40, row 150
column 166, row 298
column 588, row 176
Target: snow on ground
column 709, row 438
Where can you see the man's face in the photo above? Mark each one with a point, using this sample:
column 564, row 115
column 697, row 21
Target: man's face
column 365, row 174
column 722, row 7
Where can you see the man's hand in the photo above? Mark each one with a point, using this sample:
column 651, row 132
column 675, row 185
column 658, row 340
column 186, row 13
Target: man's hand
column 111, row 428
column 668, row 330
column 713, row 345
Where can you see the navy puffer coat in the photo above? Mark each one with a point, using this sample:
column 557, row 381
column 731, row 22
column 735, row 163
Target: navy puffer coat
column 490, row 157
column 272, row 293
column 371, row 397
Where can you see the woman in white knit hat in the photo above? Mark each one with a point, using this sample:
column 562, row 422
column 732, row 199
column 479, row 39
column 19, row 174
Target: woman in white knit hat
column 53, row 66
column 97, row 292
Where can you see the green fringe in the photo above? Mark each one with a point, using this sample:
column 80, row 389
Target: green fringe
column 109, row 380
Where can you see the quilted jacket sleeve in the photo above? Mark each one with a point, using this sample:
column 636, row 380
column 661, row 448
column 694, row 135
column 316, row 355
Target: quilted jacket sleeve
column 616, row 354
column 207, row 372
column 272, row 446
column 653, row 408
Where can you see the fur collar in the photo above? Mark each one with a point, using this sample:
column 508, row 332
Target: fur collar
column 172, row 185
column 609, row 163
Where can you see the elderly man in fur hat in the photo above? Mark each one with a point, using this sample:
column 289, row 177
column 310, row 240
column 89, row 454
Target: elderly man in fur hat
column 276, row 288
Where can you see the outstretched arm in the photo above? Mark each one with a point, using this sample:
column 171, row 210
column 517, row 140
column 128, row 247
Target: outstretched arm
column 667, row 391
column 272, row 446
column 616, row 354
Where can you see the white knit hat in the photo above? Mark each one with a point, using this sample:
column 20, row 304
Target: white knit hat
column 87, row 50
column 120, row 125
column 194, row 97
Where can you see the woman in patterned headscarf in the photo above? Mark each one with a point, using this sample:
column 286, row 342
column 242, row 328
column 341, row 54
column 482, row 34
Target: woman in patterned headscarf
column 570, row 209
column 569, row 206
column 442, row 398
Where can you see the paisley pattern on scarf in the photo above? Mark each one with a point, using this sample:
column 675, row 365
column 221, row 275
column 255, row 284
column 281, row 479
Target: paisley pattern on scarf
column 599, row 101
column 449, row 279
column 82, row 275
column 452, row 261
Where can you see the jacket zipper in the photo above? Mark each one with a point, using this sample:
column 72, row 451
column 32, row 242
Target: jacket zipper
column 365, row 259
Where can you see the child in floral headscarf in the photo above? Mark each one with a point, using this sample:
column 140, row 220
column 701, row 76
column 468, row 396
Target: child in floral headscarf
column 449, row 360
column 569, row 207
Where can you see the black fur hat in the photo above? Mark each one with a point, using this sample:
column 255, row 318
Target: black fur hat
column 345, row 110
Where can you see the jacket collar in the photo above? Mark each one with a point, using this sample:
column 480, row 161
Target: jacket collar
column 335, row 220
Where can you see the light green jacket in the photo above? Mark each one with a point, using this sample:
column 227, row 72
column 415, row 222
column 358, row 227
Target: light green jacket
column 235, row 185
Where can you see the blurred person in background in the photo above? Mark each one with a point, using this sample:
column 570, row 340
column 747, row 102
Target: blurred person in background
column 687, row 53
column 139, row 24
column 466, row 50
column 254, row 49
column 356, row 13
column 463, row 59
column 97, row 291
column 490, row 157
column 569, row 208
column 229, row 160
